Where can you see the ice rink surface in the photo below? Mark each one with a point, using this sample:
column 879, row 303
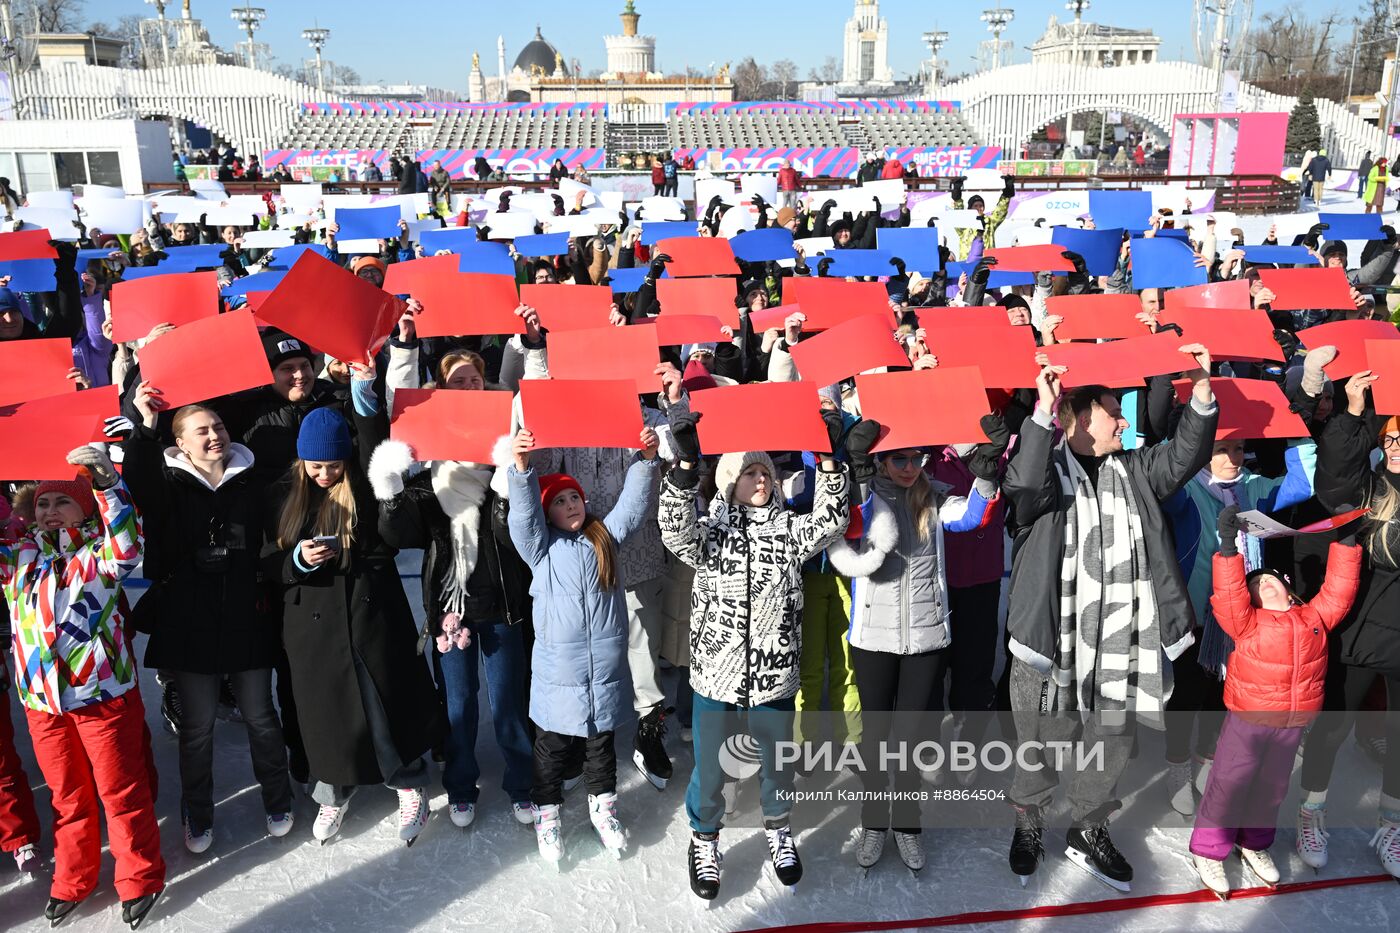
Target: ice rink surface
column 489, row 876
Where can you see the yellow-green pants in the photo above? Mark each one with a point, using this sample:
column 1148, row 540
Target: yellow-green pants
column 826, row 657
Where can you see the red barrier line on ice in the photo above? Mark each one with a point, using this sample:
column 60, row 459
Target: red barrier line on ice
column 1046, row 911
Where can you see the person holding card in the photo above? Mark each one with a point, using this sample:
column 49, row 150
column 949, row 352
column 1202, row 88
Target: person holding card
column 78, row 683
column 746, row 625
column 900, row 630
column 1079, row 622
column 987, row 223
column 580, row 688
column 1368, row 642
column 366, row 705
column 202, row 503
column 474, row 592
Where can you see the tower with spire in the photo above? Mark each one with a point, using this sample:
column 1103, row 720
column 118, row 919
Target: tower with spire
column 630, row 54
column 866, row 47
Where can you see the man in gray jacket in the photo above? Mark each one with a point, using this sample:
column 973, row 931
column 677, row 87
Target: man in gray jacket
column 1097, row 605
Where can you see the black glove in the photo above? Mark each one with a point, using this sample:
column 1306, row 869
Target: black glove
column 957, row 186
column 983, row 272
column 1228, row 525
column 483, row 233
column 835, row 428
column 827, row 205
column 986, row 457
column 878, row 208
column 898, row 264
column 1389, row 232
column 658, row 265
column 1008, row 189
column 862, row 436
column 822, row 265
column 1079, row 267
column 1348, row 536
column 684, row 438
column 715, row 202
column 758, row 201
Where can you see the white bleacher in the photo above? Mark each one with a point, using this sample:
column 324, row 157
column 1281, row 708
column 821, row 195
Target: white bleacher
column 748, row 130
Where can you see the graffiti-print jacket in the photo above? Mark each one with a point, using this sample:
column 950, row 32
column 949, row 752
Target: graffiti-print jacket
column 64, row 589
column 746, row 602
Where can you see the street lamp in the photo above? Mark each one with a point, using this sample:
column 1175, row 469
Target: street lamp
column 317, row 37
column 164, row 41
column 1394, row 69
column 935, row 42
column 997, row 20
column 249, row 18
column 1077, row 7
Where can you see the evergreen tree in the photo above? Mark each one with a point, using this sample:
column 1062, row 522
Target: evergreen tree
column 1304, row 130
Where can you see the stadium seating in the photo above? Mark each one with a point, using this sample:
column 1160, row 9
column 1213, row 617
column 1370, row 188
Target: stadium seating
column 744, row 130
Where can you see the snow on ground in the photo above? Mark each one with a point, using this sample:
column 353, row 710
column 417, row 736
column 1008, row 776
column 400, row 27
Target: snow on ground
column 489, row 876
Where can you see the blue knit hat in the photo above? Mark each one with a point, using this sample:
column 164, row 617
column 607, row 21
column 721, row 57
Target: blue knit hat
column 324, row 436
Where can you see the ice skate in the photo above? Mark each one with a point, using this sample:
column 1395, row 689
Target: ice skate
column 328, row 820
column 1261, row 863
column 57, row 911
column 1089, row 846
column 413, row 814
column 869, row 847
column 1312, row 836
column 782, row 851
column 1386, row 842
column 523, row 811
column 1027, row 848
column 137, row 909
column 705, row 862
column 549, row 834
column 279, row 824
column 27, row 859
column 1212, row 872
column 461, row 814
column 602, row 811
column 911, row 850
column 649, row 749
column 1180, row 789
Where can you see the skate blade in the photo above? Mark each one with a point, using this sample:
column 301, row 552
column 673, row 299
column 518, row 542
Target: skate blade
column 1080, row 859
column 1025, row 880
column 654, row 780
column 136, row 924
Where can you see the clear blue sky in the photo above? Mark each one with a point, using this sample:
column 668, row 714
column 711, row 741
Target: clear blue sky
column 431, row 41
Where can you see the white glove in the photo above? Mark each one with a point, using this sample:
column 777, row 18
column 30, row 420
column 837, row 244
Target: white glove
column 118, row 427
column 97, row 463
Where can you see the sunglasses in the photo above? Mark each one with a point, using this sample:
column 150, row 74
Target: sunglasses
column 904, row 461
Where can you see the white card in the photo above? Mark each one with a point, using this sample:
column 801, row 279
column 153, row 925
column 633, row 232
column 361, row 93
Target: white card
column 267, row 239
column 574, row 225
column 357, row 247
column 103, row 191
column 662, row 208
column 224, row 216
column 305, row 198
column 510, row 225
column 111, row 215
column 735, row 221
column 53, row 200
column 61, row 224
column 890, row 191
column 766, row 186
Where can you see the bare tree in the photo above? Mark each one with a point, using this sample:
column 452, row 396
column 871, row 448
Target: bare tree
column 749, row 78
column 784, row 72
column 1289, row 53
column 830, row 70
column 50, row 15
column 1370, row 42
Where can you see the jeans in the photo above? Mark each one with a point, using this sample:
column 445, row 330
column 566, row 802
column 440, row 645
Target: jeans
column 714, row 722
column 499, row 648
column 200, row 695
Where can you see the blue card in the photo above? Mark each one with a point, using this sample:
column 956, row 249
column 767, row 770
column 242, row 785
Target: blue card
column 1281, row 255
column 654, row 230
column 132, row 273
column 86, row 256
column 451, row 239
column 490, row 257
column 30, row 275
column 996, row 280
column 287, row 256
column 626, row 280
column 1098, row 247
column 917, row 246
column 1164, row 263
column 542, row 244
column 768, row 244
column 1127, row 209
column 262, row 282
column 368, row 223
column 861, row 262
column 192, row 258
column 1351, row 226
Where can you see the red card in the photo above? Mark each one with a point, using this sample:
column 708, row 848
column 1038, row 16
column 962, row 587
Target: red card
column 1005, row 355
column 1232, row 294
column 698, row 255
column 900, row 402
column 569, row 307
column 582, row 412
column 178, row 298
column 450, row 424
column 1097, row 317
column 332, row 309
column 1228, row 333
column 1333, row 523
column 178, row 363
column 36, row 436
column 771, row 318
column 1046, row 257
column 1120, row 364
column 863, row 343
column 699, row 296
column 456, row 304
column 1308, row 289
column 762, row 416
column 26, row 244
column 1350, row 338
column 828, row 302
column 676, row 329
column 606, row 353
column 35, row 368
column 1249, row 408
column 1383, row 359
column 931, row 318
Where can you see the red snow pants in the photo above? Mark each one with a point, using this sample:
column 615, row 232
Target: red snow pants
column 19, row 823
column 100, row 752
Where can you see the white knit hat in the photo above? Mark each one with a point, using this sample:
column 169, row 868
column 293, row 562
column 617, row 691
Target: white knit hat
column 732, row 465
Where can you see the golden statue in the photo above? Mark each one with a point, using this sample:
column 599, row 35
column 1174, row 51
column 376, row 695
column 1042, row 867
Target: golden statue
column 476, row 62
column 558, row 63
column 724, row 72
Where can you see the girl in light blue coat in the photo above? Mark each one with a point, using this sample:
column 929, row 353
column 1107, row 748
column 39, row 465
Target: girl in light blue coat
column 581, row 687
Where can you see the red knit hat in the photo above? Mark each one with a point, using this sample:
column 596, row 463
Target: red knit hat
column 552, row 484
column 696, row 377
column 80, row 491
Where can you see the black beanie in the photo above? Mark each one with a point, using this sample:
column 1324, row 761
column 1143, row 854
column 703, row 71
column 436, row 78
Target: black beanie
column 280, row 347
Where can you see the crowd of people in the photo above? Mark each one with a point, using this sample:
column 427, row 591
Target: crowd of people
column 851, row 578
